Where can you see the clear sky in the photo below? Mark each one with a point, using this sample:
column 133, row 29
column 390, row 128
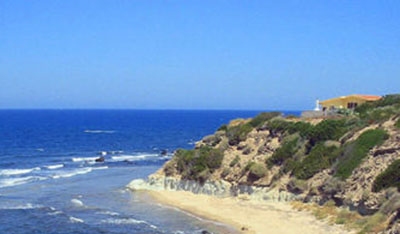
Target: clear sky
column 195, row 54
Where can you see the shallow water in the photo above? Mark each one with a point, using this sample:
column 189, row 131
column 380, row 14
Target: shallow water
column 51, row 183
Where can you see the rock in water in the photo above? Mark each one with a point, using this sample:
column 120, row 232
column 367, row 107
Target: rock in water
column 164, row 152
column 100, row 159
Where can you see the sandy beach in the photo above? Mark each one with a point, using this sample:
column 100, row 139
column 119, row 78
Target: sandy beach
column 247, row 216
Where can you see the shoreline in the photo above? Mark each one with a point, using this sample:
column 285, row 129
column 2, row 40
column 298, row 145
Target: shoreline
column 246, row 216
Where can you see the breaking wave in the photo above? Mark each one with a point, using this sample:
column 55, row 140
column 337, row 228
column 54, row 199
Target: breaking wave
column 53, row 167
column 12, row 172
column 127, row 221
column 18, row 181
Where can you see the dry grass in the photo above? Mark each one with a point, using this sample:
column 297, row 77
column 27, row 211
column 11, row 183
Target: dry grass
column 351, row 220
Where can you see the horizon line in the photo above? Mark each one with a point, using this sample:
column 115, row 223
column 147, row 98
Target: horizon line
column 143, row 109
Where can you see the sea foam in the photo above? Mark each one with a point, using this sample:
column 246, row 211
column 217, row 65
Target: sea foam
column 11, row 172
column 125, row 221
column 75, row 220
column 133, row 157
column 18, row 181
column 84, row 159
column 53, row 167
column 27, row 206
column 75, row 172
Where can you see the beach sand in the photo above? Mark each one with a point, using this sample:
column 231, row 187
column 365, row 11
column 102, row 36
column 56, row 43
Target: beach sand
column 247, row 216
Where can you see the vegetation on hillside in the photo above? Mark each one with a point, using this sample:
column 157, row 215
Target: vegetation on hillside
column 305, row 150
column 388, row 178
column 320, row 157
column 197, row 164
column 298, row 150
column 354, row 152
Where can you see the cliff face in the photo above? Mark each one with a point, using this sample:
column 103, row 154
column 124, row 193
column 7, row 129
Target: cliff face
column 347, row 160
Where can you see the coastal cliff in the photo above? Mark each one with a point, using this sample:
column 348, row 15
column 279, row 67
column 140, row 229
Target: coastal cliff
column 349, row 161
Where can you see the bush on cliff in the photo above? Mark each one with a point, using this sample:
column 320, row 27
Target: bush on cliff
column 223, row 127
column 235, row 161
column 320, row 158
column 303, row 128
column 388, row 178
column 238, row 133
column 397, row 124
column 198, row 164
column 263, row 117
column 353, row 153
column 257, row 171
column 283, row 153
column 277, row 125
column 329, row 129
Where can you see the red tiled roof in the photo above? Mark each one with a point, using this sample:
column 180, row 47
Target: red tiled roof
column 368, row 97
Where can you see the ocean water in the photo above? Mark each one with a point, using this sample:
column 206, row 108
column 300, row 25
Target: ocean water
column 51, row 183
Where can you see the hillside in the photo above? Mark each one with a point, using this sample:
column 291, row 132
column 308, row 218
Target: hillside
column 351, row 161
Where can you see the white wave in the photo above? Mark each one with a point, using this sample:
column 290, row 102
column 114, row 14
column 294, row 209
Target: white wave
column 127, row 221
column 133, row 157
column 18, row 181
column 75, row 220
column 111, row 213
column 66, row 174
column 56, row 166
column 27, row 206
column 87, row 159
column 11, row 172
column 99, row 131
column 77, row 202
column 100, row 168
column 57, row 212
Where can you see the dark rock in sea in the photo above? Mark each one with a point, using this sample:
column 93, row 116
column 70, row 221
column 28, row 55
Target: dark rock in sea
column 100, row 159
column 128, row 162
column 205, row 232
column 164, row 152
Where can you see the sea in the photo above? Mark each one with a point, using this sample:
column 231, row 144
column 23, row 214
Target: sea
column 52, row 181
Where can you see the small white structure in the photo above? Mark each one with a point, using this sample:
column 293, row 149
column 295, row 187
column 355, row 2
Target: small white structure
column 317, row 106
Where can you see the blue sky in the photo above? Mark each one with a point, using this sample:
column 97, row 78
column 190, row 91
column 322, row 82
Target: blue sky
column 273, row 55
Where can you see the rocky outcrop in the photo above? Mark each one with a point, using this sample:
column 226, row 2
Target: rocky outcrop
column 219, row 188
column 357, row 191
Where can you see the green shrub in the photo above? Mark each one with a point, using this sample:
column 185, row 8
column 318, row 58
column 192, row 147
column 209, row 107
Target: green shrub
column 225, row 172
column 388, row 178
column 198, row 164
column 283, row 153
column 237, row 134
column 303, row 128
column 169, row 168
column 234, row 161
column 223, row 128
column 248, row 165
column 320, row 157
column 354, row 152
column 184, row 160
column 278, row 125
column 328, row 129
column 257, row 171
column 397, row 124
column 260, row 119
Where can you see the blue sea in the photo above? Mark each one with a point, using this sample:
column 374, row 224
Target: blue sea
column 50, row 181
